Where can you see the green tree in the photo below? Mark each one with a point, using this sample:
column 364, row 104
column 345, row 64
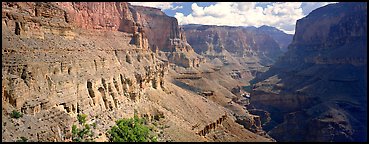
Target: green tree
column 131, row 130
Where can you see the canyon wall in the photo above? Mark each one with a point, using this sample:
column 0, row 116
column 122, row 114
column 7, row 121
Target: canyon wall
column 239, row 41
column 64, row 59
column 51, row 72
column 317, row 90
column 144, row 22
column 279, row 36
column 164, row 35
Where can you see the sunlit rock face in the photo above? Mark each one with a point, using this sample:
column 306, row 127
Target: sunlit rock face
column 318, row 90
column 57, row 64
column 164, row 35
column 152, row 29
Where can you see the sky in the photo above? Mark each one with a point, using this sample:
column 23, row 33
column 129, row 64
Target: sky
column 282, row 15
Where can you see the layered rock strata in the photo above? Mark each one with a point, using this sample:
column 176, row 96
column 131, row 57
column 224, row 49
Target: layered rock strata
column 215, row 41
column 317, row 91
column 64, row 59
column 144, row 22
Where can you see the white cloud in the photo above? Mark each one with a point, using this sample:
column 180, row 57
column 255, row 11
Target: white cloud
column 177, row 7
column 197, row 11
column 161, row 5
column 282, row 15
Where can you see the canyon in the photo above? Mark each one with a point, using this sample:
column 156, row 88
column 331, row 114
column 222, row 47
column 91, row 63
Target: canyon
column 113, row 60
column 318, row 90
column 244, row 51
column 251, row 43
column 105, row 60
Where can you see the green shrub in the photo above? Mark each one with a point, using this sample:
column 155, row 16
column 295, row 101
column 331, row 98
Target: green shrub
column 15, row 114
column 130, row 130
column 22, row 139
column 81, row 118
column 94, row 125
column 85, row 134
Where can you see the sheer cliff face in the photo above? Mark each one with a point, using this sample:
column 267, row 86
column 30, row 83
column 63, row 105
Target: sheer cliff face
column 126, row 18
column 160, row 28
column 236, row 40
column 164, row 34
column 343, row 22
column 99, row 15
column 318, row 90
column 151, row 28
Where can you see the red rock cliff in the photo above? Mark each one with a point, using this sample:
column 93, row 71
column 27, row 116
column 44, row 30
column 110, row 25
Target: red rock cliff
column 98, row 15
column 160, row 28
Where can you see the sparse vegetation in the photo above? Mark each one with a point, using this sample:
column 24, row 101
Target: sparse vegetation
column 252, row 82
column 85, row 134
column 131, row 130
column 159, row 116
column 94, row 125
column 22, row 139
column 81, row 118
column 16, row 114
column 247, row 88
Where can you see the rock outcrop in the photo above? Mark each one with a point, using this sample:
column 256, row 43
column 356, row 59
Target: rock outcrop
column 28, row 22
column 171, row 40
column 155, row 22
column 317, row 91
column 99, row 15
column 145, row 23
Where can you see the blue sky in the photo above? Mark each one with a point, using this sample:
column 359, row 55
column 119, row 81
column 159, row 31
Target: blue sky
column 186, row 8
column 282, row 15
